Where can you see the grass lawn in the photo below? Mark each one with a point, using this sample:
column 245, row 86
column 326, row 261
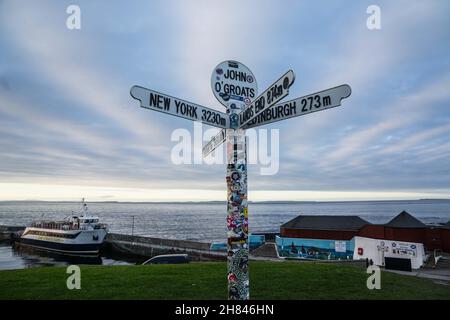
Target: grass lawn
column 268, row 280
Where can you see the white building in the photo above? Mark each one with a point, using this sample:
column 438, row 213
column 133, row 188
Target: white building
column 377, row 250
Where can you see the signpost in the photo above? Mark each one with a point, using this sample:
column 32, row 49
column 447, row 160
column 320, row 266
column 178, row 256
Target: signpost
column 234, row 86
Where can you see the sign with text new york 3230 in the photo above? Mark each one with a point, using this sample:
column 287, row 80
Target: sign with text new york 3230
column 177, row 107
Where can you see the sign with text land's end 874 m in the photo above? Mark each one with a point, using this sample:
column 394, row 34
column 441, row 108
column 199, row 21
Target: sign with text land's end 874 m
column 272, row 95
column 231, row 81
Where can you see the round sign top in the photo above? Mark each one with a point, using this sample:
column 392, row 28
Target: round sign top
column 231, row 81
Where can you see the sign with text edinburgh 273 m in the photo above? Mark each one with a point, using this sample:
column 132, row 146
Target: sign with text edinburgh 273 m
column 314, row 102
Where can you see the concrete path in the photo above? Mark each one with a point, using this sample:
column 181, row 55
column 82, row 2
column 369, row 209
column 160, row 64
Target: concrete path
column 439, row 276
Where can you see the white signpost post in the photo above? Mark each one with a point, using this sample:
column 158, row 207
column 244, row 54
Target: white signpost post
column 234, row 86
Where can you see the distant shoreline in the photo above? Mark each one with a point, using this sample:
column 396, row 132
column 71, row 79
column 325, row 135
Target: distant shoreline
column 222, row 202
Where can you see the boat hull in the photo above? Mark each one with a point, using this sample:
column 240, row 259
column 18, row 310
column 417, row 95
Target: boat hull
column 79, row 249
column 74, row 242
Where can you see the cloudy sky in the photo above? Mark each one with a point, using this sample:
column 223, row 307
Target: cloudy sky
column 69, row 128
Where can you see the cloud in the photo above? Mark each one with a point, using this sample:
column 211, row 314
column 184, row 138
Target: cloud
column 49, row 51
column 72, row 131
column 415, row 140
column 407, row 111
column 210, row 32
column 66, row 117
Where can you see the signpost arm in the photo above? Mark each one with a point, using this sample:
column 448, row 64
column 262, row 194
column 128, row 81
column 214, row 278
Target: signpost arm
column 314, row 102
column 216, row 141
column 277, row 91
column 164, row 103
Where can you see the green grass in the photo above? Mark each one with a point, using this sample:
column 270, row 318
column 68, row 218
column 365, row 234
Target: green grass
column 268, row 280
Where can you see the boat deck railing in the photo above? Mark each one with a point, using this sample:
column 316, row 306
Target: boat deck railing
column 65, row 225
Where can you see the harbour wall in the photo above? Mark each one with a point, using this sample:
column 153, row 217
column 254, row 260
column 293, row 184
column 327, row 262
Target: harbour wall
column 197, row 251
column 149, row 247
column 9, row 233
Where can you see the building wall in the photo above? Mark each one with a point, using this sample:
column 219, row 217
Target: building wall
column 320, row 248
column 377, row 250
column 432, row 238
column 372, row 231
column 317, row 234
column 445, row 240
column 319, row 243
column 402, row 234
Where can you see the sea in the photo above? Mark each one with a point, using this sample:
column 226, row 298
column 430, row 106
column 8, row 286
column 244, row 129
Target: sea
column 199, row 221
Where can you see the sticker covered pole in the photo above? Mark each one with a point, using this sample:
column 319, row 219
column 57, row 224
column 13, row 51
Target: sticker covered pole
column 237, row 215
column 234, row 86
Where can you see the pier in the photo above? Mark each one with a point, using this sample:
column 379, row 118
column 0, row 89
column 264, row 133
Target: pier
column 9, row 233
column 149, row 247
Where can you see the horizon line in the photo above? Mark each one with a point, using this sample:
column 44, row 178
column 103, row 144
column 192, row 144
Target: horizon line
column 224, row 201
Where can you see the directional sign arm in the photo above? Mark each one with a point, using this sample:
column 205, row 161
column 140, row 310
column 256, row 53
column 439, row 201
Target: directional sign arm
column 160, row 102
column 272, row 95
column 318, row 101
column 214, row 143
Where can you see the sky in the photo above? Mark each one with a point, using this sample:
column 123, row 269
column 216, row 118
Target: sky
column 70, row 129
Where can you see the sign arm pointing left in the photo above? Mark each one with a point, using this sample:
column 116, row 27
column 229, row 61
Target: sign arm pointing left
column 164, row 103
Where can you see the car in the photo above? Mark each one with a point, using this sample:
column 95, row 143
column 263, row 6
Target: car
column 168, row 259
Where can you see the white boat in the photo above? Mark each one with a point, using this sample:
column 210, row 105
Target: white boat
column 79, row 234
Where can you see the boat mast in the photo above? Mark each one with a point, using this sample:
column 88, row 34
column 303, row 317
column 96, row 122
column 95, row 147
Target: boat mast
column 85, row 209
